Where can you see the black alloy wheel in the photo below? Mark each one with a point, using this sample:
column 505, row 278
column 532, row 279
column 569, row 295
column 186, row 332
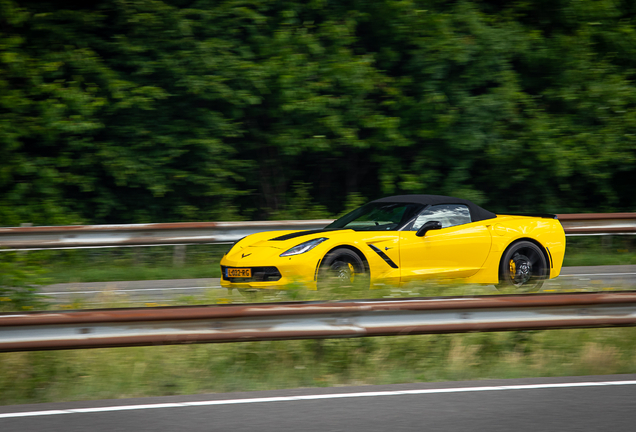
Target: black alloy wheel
column 523, row 267
column 341, row 268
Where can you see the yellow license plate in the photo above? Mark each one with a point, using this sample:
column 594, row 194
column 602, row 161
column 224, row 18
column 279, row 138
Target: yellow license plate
column 239, row 272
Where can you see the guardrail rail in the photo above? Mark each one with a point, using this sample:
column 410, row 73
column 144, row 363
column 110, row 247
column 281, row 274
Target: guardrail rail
column 311, row 320
column 188, row 233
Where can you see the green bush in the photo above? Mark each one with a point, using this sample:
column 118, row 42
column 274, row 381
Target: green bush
column 20, row 278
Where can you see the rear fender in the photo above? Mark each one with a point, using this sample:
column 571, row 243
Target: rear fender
column 546, row 233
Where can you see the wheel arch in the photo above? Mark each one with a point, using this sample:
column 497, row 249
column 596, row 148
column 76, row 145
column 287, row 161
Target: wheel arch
column 353, row 249
column 531, row 240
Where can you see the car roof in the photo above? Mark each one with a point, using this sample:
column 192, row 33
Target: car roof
column 476, row 213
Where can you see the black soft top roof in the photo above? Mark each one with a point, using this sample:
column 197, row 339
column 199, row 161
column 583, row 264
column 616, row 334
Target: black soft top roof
column 476, row 213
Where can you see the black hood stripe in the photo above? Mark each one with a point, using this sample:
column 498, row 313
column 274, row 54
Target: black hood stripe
column 302, row 233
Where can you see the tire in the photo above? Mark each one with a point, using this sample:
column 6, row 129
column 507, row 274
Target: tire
column 523, row 268
column 342, row 268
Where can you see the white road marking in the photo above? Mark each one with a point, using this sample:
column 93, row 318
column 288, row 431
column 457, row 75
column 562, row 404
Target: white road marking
column 314, row 397
column 127, row 290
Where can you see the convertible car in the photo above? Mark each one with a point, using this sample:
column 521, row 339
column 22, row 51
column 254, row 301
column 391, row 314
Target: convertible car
column 402, row 239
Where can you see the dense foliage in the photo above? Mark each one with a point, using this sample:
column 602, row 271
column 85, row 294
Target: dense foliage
column 148, row 110
column 20, row 278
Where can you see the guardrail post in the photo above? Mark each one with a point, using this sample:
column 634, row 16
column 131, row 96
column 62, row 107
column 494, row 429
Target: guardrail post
column 178, row 257
column 137, row 256
column 24, row 224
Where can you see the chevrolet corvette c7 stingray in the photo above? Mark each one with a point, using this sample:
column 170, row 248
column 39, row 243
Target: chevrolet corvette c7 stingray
column 403, row 239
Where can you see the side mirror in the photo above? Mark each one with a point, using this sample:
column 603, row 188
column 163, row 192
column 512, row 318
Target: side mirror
column 430, row 225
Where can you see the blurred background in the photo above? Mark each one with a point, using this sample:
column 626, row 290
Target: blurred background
column 163, row 111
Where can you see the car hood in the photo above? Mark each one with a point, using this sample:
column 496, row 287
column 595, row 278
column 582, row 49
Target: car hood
column 288, row 239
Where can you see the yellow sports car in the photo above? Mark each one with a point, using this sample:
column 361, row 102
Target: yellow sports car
column 401, row 239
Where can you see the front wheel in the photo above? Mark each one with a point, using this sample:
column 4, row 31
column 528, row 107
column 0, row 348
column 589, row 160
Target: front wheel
column 342, row 268
column 523, row 267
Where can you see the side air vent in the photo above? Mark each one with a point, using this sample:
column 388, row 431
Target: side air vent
column 384, row 256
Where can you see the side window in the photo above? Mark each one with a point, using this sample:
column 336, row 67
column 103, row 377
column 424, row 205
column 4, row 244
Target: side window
column 448, row 214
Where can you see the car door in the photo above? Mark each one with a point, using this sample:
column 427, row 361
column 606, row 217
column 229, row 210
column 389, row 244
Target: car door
column 457, row 250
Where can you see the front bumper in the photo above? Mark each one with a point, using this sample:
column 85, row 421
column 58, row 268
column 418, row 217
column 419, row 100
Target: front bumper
column 259, row 274
column 280, row 276
column 270, row 270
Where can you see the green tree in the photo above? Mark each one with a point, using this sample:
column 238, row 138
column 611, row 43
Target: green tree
column 149, row 110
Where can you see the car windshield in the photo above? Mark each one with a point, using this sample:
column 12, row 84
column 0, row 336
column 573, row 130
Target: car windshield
column 381, row 216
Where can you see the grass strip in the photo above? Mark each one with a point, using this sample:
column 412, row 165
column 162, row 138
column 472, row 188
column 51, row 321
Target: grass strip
column 54, row 376
column 113, row 273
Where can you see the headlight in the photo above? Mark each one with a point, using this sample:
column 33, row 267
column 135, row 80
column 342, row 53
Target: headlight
column 303, row 247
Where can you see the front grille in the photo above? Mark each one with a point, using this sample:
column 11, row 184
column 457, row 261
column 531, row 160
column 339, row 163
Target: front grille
column 259, row 274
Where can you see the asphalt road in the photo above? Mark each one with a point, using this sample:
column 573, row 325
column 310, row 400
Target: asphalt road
column 527, row 405
column 97, row 293
column 165, row 291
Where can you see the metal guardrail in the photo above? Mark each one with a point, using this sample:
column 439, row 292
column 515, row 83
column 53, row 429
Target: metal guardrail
column 598, row 223
column 84, row 236
column 311, row 320
column 158, row 234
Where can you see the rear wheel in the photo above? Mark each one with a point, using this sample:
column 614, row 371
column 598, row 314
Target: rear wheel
column 523, row 268
column 340, row 268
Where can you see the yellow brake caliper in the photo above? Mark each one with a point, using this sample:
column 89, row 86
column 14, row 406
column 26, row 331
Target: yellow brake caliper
column 513, row 269
column 351, row 272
